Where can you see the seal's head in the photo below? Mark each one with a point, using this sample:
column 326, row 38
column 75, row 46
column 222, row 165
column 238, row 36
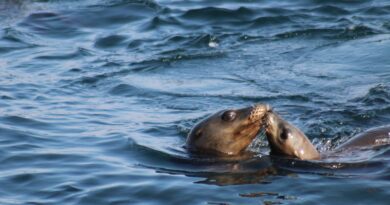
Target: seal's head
column 227, row 132
column 286, row 139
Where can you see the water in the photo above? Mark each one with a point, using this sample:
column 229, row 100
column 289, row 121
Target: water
column 97, row 97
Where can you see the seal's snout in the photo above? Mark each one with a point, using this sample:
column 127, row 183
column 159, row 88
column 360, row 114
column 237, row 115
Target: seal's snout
column 259, row 111
column 268, row 108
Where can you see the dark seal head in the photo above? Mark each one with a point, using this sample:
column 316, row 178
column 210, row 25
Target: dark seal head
column 287, row 140
column 227, row 132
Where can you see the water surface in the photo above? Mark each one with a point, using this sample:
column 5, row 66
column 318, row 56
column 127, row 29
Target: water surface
column 98, row 96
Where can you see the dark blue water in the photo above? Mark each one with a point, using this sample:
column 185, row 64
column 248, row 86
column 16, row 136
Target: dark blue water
column 98, row 96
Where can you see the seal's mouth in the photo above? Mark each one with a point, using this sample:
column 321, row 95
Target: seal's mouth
column 259, row 112
column 256, row 119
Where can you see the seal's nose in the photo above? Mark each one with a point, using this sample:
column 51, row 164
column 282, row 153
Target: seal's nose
column 259, row 111
column 263, row 107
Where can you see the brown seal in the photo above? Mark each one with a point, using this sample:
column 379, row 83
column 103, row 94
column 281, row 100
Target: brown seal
column 286, row 139
column 227, row 132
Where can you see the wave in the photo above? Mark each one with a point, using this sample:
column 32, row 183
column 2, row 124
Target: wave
column 110, row 41
column 13, row 40
column 215, row 14
column 376, row 95
column 78, row 53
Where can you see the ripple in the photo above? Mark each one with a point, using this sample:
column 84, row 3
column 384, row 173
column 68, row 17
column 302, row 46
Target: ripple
column 52, row 24
column 13, row 40
column 357, row 31
column 309, row 33
column 214, row 14
column 191, row 41
column 110, row 41
column 116, row 14
column 129, row 90
column 26, row 122
column 135, row 44
column 104, row 194
column 42, row 158
column 270, row 20
column 377, row 95
column 157, row 22
column 377, row 10
column 6, row 97
column 79, row 53
column 335, row 169
column 330, row 10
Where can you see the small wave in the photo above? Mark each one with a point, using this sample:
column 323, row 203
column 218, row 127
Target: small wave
column 25, row 122
column 337, row 168
column 376, row 10
column 115, row 13
column 135, row 44
column 237, row 19
column 110, row 41
column 215, row 14
column 52, row 24
column 94, row 79
column 142, row 66
column 377, row 95
column 39, row 156
column 149, row 155
column 350, row 32
column 17, row 135
column 67, row 187
column 192, row 41
column 160, row 21
column 13, row 39
column 253, row 98
column 269, row 20
column 357, row 31
column 6, row 97
column 79, row 53
column 311, row 32
column 331, row 10
column 129, row 90
column 151, row 4
column 339, row 2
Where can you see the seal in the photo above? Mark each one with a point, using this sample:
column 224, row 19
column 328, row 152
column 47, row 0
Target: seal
column 287, row 140
column 370, row 138
column 227, row 132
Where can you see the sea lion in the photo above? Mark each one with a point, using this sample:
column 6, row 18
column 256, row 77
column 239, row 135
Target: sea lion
column 286, row 139
column 227, row 132
column 370, row 138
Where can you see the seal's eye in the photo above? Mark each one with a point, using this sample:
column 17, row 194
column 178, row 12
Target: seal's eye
column 284, row 134
column 229, row 115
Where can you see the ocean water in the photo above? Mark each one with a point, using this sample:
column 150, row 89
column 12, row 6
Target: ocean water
column 97, row 98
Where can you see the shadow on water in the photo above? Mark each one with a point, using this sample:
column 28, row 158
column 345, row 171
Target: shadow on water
column 257, row 167
column 264, row 169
